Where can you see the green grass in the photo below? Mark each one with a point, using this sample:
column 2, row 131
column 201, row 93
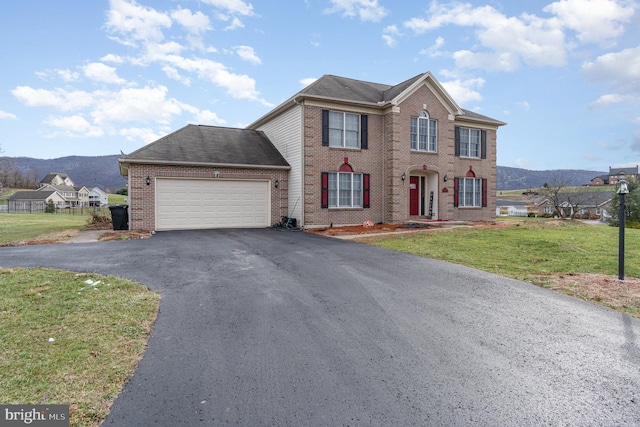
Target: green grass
column 567, row 256
column 65, row 341
column 525, row 249
column 117, row 199
column 19, row 227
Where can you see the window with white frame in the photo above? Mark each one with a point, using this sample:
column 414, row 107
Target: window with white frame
column 424, row 133
column 344, row 129
column 470, row 192
column 345, row 190
column 548, row 209
column 469, row 142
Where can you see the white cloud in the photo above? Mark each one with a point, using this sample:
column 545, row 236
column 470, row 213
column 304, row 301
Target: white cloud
column 524, row 105
column 248, row 54
column 366, row 10
column 116, row 59
column 172, row 73
column 508, row 41
column 522, row 163
column 100, row 72
column 595, row 21
column 232, row 6
column 622, row 69
column 306, row 82
column 135, row 22
column 610, row 99
column 57, row 98
column 433, row 51
column 390, row 35
column 146, row 105
column 209, row 118
column 74, row 126
column 235, row 24
column 7, row 116
column 145, row 135
column 464, row 91
column 195, row 23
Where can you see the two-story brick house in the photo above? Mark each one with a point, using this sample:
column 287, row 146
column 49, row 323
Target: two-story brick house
column 366, row 151
column 339, row 152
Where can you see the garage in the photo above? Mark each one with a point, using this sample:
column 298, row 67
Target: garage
column 183, row 204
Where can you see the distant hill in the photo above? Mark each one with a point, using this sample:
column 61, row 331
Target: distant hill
column 104, row 172
column 97, row 171
column 516, row 179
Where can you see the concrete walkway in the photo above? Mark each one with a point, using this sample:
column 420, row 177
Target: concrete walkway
column 86, row 236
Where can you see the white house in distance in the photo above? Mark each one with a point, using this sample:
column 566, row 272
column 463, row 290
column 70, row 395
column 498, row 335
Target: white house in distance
column 98, row 198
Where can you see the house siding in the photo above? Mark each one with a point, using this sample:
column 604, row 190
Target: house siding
column 285, row 132
column 142, row 200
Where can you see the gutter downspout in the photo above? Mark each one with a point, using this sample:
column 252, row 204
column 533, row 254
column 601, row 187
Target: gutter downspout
column 302, row 173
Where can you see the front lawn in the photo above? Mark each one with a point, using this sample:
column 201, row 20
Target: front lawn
column 70, row 338
column 567, row 255
column 21, row 227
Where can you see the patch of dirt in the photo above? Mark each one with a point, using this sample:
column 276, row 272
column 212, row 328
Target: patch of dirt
column 124, row 235
column 599, row 288
column 360, row 229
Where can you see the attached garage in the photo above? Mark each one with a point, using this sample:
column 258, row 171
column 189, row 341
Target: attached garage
column 211, row 203
column 201, row 177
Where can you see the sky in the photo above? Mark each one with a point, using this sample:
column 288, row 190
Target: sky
column 100, row 77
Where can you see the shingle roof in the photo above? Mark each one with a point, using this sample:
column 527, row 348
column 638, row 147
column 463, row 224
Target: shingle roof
column 199, row 144
column 350, row 90
column 31, row 195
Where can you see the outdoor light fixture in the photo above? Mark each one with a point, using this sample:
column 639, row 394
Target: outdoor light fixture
column 148, row 180
column 403, row 177
column 623, row 190
column 276, row 183
column 445, row 178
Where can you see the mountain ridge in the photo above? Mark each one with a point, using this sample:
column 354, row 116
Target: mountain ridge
column 104, row 172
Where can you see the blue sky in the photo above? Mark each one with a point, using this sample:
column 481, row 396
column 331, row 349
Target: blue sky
column 100, row 77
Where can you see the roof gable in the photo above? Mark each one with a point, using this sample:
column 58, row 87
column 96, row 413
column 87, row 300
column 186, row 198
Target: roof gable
column 350, row 91
column 211, row 145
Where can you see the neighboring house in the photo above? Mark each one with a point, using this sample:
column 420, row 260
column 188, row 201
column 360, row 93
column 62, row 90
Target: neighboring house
column 34, row 201
column 75, row 197
column 98, row 198
column 616, row 174
column 600, row 180
column 585, row 205
column 511, row 208
column 348, row 151
column 57, row 179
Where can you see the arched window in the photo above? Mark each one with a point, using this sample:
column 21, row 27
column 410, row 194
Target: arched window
column 424, row 133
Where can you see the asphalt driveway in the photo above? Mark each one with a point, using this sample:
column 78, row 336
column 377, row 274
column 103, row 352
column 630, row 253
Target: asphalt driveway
column 265, row 327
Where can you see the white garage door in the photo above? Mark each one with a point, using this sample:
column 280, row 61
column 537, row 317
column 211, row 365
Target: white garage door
column 204, row 203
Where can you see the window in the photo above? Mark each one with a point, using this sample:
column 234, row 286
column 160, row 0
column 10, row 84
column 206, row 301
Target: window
column 470, row 192
column 344, row 130
column 471, row 143
column 345, row 190
column 424, row 134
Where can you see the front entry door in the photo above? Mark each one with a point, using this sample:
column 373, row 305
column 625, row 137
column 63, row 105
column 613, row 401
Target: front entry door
column 414, row 196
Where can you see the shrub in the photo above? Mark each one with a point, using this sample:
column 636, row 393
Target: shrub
column 50, row 207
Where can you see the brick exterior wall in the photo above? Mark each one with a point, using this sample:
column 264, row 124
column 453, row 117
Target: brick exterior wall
column 389, row 157
column 142, row 196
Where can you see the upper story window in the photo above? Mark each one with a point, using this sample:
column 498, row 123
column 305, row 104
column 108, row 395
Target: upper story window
column 471, row 142
column 344, row 130
column 424, row 133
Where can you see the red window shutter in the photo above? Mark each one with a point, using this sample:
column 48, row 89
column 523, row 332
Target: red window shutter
column 457, row 141
column 456, row 189
column 365, row 190
column 484, row 193
column 324, row 191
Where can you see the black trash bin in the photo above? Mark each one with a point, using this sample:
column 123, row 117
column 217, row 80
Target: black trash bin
column 119, row 217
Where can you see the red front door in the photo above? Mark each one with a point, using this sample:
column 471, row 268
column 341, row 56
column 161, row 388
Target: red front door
column 414, row 196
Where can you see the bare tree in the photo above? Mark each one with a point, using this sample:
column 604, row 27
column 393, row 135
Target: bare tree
column 568, row 200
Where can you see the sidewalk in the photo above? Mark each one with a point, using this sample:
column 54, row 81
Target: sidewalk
column 86, row 236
